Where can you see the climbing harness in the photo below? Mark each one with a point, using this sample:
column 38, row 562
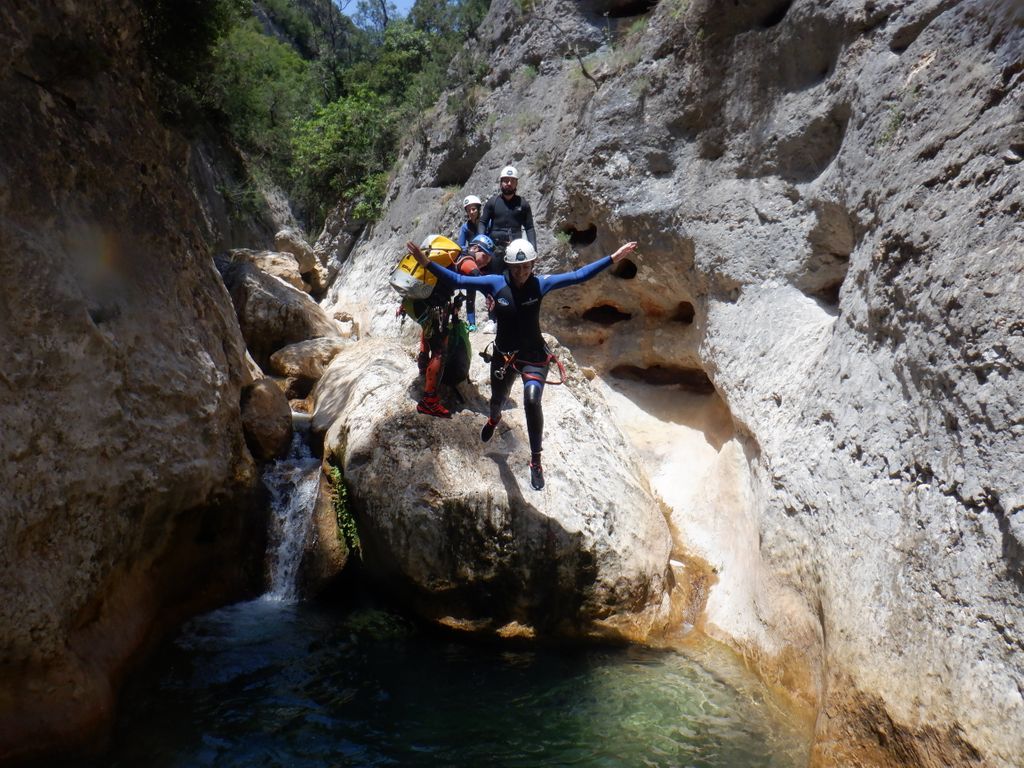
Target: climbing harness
column 511, row 360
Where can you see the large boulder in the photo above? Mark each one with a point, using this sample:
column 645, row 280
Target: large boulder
column 455, row 527
column 281, row 265
column 266, row 419
column 307, row 359
column 291, row 241
column 273, row 314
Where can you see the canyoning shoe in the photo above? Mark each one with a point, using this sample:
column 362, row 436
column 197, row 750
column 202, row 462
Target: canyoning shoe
column 536, row 475
column 432, row 406
column 487, row 432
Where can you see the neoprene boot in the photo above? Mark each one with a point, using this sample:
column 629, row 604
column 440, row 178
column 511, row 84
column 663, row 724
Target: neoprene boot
column 488, row 429
column 536, row 474
column 431, row 406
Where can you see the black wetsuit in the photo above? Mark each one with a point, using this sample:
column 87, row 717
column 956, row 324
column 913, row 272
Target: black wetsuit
column 507, row 220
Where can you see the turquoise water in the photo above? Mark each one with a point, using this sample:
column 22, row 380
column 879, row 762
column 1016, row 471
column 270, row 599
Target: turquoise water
column 271, row 683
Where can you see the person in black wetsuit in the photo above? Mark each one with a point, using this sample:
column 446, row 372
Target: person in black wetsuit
column 519, row 345
column 506, row 216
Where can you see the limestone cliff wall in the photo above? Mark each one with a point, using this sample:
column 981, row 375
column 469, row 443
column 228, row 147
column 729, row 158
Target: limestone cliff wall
column 122, row 464
column 827, row 197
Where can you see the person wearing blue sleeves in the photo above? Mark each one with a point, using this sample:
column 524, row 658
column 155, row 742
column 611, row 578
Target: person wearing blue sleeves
column 519, row 345
column 472, row 226
column 474, row 259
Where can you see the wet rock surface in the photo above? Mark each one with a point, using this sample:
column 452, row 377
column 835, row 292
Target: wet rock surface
column 266, row 419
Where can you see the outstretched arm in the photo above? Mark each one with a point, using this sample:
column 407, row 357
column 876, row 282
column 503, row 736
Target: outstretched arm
column 446, row 276
column 565, row 279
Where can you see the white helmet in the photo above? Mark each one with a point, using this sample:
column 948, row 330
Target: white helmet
column 508, row 172
column 471, row 200
column 520, row 252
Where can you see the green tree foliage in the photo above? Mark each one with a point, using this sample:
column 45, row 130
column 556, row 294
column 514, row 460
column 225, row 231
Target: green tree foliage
column 294, row 24
column 261, row 86
column 375, row 16
column 345, row 143
column 318, row 101
column 445, row 18
column 338, row 44
column 180, row 36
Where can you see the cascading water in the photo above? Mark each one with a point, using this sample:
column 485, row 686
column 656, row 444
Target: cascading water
column 292, row 483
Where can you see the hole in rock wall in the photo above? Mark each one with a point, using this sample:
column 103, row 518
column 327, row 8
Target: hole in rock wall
column 830, row 293
column 725, row 20
column 806, row 54
column 582, row 237
column 605, row 314
column 625, row 270
column 620, row 9
column 690, row 379
column 775, row 15
column 457, row 164
column 684, row 313
column 831, row 241
column 805, row 157
column 711, row 146
column 906, row 34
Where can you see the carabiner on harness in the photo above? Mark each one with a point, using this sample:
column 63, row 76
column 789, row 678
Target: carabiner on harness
column 508, row 361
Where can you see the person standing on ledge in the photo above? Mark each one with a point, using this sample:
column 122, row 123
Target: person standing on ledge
column 472, row 226
column 506, row 216
column 474, row 260
column 519, row 345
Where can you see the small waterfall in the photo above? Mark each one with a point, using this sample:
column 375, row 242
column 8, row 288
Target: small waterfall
column 292, row 482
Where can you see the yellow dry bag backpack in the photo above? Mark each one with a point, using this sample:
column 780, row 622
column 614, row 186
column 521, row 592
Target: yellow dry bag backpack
column 415, row 282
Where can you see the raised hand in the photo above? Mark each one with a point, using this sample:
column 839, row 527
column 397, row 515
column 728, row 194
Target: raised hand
column 623, row 251
column 416, row 253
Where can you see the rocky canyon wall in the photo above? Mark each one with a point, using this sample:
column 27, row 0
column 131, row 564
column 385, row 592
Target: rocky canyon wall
column 124, row 476
column 827, row 197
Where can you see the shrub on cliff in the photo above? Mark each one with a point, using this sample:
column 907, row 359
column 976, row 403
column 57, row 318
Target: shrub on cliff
column 318, row 103
column 343, row 144
column 180, row 36
column 261, row 86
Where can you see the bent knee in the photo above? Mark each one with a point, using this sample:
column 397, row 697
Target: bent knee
column 532, row 392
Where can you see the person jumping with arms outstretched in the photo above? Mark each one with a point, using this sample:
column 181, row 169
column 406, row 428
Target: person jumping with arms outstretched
column 519, row 345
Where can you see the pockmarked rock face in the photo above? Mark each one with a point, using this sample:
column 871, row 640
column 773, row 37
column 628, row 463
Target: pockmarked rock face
column 126, row 483
column 827, row 198
column 456, row 525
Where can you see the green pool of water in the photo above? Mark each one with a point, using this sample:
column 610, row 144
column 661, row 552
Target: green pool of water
column 269, row 683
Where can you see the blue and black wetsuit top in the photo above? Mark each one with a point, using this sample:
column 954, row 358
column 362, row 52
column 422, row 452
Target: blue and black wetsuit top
column 518, row 309
column 468, row 231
